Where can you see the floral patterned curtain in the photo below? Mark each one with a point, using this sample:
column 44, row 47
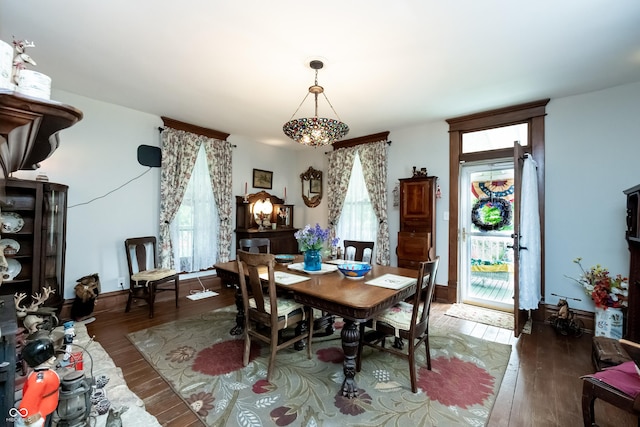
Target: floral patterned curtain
column 219, row 162
column 373, row 157
column 340, row 165
column 179, row 154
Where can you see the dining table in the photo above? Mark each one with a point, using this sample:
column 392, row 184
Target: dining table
column 328, row 290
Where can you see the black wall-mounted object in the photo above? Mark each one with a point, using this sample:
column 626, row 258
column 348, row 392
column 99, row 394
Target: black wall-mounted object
column 149, row 156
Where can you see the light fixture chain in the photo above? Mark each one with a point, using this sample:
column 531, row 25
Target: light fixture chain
column 328, row 102
column 303, row 99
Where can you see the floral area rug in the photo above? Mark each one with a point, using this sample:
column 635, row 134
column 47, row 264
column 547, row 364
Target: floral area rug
column 203, row 364
column 481, row 315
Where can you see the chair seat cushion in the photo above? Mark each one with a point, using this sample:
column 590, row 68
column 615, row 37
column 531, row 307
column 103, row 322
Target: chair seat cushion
column 398, row 316
column 285, row 307
column 155, row 274
column 623, row 377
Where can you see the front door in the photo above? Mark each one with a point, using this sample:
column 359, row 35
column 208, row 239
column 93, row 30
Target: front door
column 486, row 224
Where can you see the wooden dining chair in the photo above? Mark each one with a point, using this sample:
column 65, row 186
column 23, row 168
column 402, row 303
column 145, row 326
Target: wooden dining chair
column 146, row 279
column 265, row 316
column 404, row 321
column 355, row 250
column 257, row 245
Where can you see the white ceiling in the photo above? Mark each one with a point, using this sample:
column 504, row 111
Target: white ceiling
column 241, row 67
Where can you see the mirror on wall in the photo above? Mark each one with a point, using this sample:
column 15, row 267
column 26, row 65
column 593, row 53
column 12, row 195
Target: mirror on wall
column 311, row 187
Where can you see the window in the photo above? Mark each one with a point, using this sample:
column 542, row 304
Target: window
column 194, row 230
column 495, row 138
column 357, row 220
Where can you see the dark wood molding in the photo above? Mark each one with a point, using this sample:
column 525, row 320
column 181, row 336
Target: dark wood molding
column 498, row 117
column 117, row 300
column 187, row 127
column 382, row 136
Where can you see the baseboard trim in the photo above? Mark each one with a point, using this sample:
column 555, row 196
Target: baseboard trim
column 117, row 300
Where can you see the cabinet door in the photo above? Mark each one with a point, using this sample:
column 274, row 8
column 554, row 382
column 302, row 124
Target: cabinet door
column 416, row 206
column 21, row 230
column 414, row 246
column 53, row 246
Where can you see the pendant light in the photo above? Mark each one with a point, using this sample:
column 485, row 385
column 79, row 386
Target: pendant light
column 315, row 131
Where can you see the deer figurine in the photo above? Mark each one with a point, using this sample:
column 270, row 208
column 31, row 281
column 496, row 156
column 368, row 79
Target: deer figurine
column 34, row 317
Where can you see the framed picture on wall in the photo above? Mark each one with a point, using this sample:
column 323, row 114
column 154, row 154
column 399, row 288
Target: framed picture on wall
column 262, row 179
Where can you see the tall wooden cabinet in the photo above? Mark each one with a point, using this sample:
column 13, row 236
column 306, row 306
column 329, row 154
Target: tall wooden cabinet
column 632, row 235
column 416, row 237
column 33, row 216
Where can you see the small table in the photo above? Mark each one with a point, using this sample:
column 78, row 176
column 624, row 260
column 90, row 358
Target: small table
column 354, row 300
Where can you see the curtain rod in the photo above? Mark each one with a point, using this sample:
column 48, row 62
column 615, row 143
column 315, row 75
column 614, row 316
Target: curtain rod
column 329, row 152
column 161, row 129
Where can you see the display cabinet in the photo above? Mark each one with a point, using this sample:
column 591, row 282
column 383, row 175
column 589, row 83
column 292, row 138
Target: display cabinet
column 276, row 225
column 417, row 220
column 33, row 233
column 632, row 329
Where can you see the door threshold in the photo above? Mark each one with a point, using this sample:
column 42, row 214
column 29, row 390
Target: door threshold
column 490, row 306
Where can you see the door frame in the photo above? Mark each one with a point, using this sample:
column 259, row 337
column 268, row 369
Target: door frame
column 532, row 113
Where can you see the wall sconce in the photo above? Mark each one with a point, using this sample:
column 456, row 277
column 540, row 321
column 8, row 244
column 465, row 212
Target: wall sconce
column 262, row 210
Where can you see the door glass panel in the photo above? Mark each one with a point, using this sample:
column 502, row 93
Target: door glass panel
column 496, row 138
column 487, row 206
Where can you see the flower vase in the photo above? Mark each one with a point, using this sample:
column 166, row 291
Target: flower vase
column 609, row 322
column 312, row 260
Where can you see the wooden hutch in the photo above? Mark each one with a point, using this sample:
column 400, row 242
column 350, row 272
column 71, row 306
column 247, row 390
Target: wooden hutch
column 633, row 241
column 279, row 230
column 416, row 238
column 32, row 215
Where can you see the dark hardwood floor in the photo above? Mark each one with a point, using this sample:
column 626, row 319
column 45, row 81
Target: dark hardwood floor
column 541, row 386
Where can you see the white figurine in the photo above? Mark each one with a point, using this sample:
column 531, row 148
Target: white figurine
column 21, row 58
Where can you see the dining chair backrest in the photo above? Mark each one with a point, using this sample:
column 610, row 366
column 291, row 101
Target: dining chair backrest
column 355, row 250
column 257, row 245
column 424, row 295
column 249, row 266
column 141, row 254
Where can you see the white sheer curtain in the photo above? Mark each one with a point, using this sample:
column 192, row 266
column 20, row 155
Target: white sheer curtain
column 358, row 220
column 529, row 280
column 194, row 229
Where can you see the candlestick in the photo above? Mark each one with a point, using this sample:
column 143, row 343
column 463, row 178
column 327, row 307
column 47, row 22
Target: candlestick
column 285, row 193
column 245, row 187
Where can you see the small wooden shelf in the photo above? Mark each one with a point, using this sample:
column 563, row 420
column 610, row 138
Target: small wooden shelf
column 29, row 127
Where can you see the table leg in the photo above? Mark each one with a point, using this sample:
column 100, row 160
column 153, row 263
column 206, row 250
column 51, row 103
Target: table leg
column 350, row 338
column 238, row 329
column 230, row 279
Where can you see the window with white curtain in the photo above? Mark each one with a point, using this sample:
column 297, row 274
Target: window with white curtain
column 194, row 229
column 357, row 220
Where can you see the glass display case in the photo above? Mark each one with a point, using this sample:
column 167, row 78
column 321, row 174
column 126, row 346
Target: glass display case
column 33, row 234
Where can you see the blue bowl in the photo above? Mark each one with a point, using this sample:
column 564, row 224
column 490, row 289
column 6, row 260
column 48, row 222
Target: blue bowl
column 354, row 271
column 284, row 259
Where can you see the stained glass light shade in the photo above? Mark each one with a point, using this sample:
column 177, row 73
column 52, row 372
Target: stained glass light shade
column 315, row 131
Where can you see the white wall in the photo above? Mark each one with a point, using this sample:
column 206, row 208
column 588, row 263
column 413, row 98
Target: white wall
column 98, row 155
column 592, row 154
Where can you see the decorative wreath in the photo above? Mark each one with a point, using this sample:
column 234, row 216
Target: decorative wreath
column 491, row 213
